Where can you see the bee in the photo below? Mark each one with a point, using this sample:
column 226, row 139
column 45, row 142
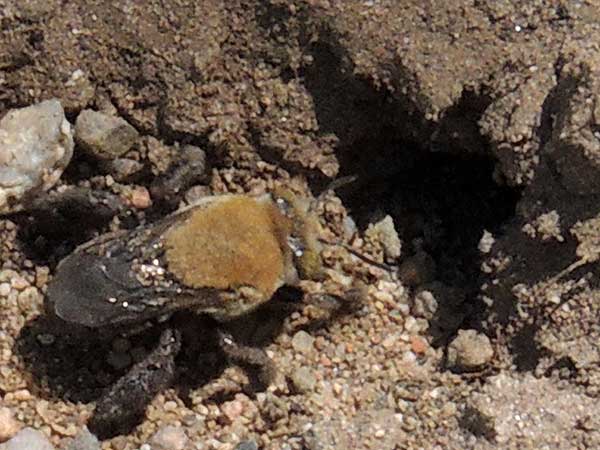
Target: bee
column 223, row 256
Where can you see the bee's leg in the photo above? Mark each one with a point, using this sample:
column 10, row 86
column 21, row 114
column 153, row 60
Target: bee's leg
column 79, row 208
column 77, row 200
column 248, row 357
column 125, row 402
column 334, row 305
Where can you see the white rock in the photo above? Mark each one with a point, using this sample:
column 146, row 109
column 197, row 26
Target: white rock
column 169, row 438
column 84, row 441
column 36, row 144
column 29, row 439
column 385, row 232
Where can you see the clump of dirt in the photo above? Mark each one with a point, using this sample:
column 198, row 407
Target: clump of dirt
column 474, row 127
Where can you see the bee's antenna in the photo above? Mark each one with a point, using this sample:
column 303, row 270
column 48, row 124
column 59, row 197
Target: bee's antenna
column 337, row 183
column 387, row 267
column 332, row 186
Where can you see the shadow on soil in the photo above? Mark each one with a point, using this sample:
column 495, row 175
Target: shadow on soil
column 75, row 365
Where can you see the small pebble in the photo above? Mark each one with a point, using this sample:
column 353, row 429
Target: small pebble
column 29, row 439
column 303, row 342
column 425, row 305
column 22, row 395
column 123, row 168
column 470, row 350
column 41, row 276
column 486, row 242
column 169, row 437
column 418, row 345
column 385, row 232
column 84, row 441
column 29, row 297
column 304, row 379
column 9, row 426
column 140, row 198
column 19, row 283
column 232, row 410
column 46, row 338
column 103, row 136
column 247, row 445
column 4, row 289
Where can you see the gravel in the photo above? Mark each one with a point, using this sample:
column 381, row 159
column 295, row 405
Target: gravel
column 36, row 144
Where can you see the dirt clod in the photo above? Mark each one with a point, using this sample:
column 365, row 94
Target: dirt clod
column 470, row 350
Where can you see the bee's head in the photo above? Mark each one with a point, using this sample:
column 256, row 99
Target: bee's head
column 303, row 239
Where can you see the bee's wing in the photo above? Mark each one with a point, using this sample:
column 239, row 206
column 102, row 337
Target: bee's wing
column 99, row 284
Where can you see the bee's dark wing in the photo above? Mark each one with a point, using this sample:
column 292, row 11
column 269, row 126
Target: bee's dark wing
column 99, row 284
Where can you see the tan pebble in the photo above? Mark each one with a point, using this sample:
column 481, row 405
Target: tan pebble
column 376, row 339
column 380, row 433
column 8, row 275
column 4, row 289
column 140, row 198
column 41, row 276
column 9, row 426
column 170, row 405
column 29, row 297
column 19, row 283
column 22, row 395
column 202, row 410
column 337, row 388
column 325, row 361
column 389, row 341
column 418, row 345
column 303, row 342
column 470, row 350
column 232, row 410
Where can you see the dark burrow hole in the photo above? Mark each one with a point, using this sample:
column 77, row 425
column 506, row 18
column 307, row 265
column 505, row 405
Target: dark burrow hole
column 441, row 203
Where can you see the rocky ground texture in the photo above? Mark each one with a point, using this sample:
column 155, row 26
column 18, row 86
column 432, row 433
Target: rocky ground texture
column 473, row 130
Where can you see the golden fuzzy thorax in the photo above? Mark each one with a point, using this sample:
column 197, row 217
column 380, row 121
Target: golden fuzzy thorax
column 239, row 241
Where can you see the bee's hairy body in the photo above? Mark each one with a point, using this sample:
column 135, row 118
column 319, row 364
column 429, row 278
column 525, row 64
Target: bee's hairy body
column 223, row 256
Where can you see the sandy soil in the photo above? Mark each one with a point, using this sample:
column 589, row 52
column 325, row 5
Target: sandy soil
column 457, row 117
